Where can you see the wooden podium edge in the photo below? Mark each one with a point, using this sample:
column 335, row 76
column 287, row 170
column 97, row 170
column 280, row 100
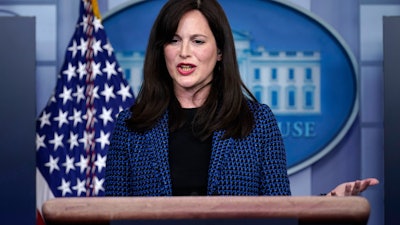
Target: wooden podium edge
column 310, row 209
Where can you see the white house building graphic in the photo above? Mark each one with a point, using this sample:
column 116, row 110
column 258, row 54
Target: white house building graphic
column 288, row 81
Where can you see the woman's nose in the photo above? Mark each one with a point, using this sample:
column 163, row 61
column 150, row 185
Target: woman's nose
column 185, row 50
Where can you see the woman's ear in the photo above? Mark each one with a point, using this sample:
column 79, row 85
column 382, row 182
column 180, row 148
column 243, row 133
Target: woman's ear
column 219, row 55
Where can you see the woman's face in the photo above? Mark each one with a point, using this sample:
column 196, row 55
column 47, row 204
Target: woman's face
column 192, row 54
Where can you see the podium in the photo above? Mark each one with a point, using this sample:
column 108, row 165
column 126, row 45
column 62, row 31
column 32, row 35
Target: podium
column 302, row 210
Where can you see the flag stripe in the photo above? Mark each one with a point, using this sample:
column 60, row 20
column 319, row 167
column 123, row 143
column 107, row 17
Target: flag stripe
column 89, row 105
column 44, row 193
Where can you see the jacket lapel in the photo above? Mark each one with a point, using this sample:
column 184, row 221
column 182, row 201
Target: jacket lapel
column 219, row 153
column 158, row 143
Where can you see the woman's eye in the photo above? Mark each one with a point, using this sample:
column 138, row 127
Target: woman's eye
column 174, row 40
column 198, row 41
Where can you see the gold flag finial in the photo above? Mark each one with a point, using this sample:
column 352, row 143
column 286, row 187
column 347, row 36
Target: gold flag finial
column 96, row 10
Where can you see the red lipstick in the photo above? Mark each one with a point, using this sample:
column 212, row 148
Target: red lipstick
column 185, row 68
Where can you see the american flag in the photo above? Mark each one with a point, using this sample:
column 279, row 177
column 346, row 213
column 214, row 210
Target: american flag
column 73, row 130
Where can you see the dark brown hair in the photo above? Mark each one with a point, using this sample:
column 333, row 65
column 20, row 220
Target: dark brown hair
column 226, row 107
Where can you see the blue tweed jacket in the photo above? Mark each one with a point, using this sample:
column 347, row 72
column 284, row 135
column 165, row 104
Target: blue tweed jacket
column 137, row 163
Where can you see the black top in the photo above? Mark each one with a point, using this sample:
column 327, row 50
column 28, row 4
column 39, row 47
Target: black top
column 189, row 159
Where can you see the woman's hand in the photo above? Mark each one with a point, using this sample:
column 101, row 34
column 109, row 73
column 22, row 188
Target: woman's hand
column 353, row 188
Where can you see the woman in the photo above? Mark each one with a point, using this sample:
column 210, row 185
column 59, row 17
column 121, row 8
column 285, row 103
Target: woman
column 195, row 129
